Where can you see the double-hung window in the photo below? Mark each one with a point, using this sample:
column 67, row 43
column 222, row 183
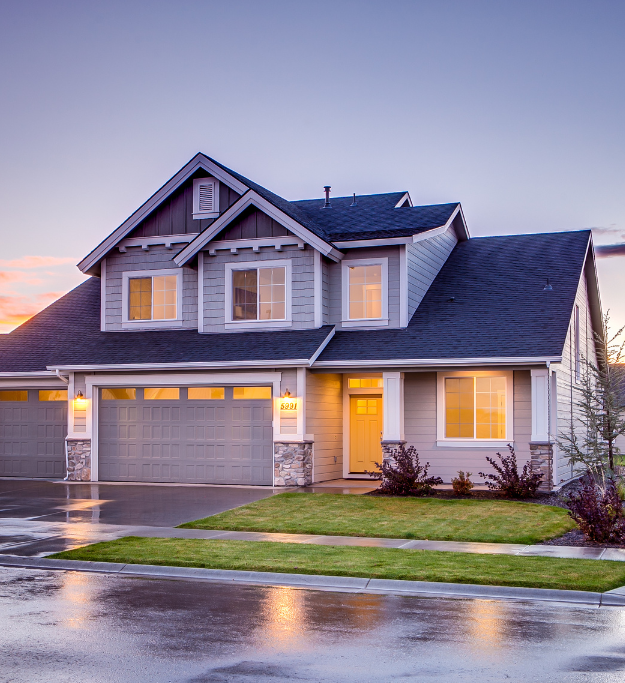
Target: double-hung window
column 365, row 292
column 474, row 407
column 258, row 293
column 152, row 296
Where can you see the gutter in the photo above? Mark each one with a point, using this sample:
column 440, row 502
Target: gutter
column 295, row 362
column 437, row 362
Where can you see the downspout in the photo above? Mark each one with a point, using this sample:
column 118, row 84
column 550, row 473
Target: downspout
column 66, row 380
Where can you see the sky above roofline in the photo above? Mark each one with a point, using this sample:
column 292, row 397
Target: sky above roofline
column 519, row 117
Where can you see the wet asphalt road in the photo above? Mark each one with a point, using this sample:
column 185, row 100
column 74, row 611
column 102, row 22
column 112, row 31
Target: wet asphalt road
column 76, row 627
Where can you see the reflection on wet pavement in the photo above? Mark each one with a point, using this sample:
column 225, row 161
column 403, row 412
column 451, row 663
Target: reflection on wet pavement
column 66, row 626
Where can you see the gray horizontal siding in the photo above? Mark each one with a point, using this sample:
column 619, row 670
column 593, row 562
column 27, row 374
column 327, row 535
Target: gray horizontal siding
column 420, row 428
column 324, row 420
column 335, row 276
column 302, row 268
column 157, row 258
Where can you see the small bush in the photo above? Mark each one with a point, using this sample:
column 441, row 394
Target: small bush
column 598, row 511
column 508, row 480
column 404, row 475
column 462, row 484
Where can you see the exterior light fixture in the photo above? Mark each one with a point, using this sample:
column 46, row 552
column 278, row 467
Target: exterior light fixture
column 287, row 394
column 79, row 400
column 288, row 402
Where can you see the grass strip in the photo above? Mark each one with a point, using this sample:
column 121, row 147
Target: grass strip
column 381, row 563
column 489, row 521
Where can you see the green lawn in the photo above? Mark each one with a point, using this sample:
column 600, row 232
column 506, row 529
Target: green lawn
column 382, row 563
column 435, row 519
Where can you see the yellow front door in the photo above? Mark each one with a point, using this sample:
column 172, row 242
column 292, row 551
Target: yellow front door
column 365, row 433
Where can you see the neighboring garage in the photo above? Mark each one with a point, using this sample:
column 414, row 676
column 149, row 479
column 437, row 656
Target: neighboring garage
column 212, row 435
column 33, row 426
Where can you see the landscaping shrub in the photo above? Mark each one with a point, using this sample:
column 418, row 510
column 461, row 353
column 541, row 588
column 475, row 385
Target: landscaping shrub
column 508, row 480
column 404, row 475
column 598, row 511
column 462, row 484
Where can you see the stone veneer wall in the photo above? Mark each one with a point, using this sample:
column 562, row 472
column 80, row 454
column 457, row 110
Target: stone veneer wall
column 387, row 449
column 79, row 460
column 541, row 454
column 293, row 463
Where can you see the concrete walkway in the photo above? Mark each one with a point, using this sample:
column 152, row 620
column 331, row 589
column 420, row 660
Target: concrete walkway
column 40, row 538
column 347, row 584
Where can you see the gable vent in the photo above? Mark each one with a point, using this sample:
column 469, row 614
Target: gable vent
column 206, row 197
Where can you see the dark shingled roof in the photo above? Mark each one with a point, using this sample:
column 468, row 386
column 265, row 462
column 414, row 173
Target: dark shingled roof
column 68, row 333
column 499, row 307
column 373, row 217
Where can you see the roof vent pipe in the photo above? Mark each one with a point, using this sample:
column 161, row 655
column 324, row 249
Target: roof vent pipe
column 327, row 189
column 547, row 287
column 354, row 202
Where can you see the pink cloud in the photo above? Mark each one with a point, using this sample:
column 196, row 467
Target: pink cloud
column 16, row 309
column 31, row 262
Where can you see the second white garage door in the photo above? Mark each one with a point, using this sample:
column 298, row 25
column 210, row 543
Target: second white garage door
column 214, row 435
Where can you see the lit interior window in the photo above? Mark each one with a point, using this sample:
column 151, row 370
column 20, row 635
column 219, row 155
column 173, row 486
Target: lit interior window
column 365, row 383
column 161, row 393
column 259, row 294
column 119, row 394
column 475, row 407
column 251, row 392
column 13, row 396
column 53, row 395
column 365, row 291
column 206, row 393
column 152, row 298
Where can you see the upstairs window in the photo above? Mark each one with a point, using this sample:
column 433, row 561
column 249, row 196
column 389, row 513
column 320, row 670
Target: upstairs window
column 153, row 298
column 205, row 198
column 365, row 292
column 258, row 294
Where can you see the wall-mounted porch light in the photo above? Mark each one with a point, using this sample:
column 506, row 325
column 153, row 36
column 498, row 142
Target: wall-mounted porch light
column 80, row 402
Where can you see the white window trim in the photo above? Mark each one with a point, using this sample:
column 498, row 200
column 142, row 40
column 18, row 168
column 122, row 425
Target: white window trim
column 197, row 214
column 231, row 324
column 147, row 324
column 365, row 322
column 442, row 440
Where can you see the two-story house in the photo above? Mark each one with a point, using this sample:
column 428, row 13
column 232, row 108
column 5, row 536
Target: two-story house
column 229, row 336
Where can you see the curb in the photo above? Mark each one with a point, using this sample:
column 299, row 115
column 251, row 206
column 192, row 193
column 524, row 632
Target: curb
column 350, row 584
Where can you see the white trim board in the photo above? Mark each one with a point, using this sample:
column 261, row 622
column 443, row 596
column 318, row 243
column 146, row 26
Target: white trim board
column 199, row 161
column 435, row 362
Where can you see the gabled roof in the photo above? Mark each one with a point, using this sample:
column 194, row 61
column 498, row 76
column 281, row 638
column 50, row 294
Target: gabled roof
column 486, row 302
column 67, row 333
column 373, row 217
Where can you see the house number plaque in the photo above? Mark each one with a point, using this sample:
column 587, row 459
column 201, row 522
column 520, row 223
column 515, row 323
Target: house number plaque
column 288, row 405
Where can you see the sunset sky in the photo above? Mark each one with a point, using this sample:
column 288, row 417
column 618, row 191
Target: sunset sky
column 515, row 109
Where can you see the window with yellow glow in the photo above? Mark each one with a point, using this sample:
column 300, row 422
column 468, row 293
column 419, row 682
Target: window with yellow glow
column 53, row 395
column 13, row 396
column 367, row 406
column 152, row 298
column 119, row 394
column 161, row 393
column 239, row 393
column 259, row 294
column 365, row 383
column 475, row 407
column 206, row 393
column 365, row 292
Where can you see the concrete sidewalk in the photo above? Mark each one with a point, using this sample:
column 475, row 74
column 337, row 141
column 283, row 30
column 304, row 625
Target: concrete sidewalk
column 348, row 584
column 41, row 538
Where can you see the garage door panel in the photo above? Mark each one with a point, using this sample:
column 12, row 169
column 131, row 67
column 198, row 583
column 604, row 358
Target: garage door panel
column 188, row 441
column 32, row 437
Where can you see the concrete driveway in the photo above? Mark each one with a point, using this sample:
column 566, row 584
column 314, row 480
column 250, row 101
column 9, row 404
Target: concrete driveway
column 41, row 517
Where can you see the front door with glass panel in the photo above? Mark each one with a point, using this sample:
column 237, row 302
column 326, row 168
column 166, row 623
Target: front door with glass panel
column 365, row 433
